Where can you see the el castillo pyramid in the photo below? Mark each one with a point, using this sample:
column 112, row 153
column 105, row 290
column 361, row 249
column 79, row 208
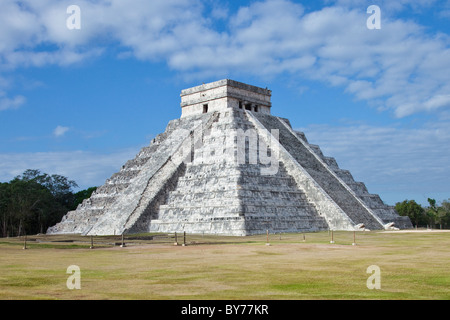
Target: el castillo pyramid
column 227, row 166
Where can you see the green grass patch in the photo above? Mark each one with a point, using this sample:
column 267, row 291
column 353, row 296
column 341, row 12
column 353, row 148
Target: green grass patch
column 294, row 266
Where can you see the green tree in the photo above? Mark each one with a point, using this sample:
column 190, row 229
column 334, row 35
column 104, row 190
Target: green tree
column 29, row 206
column 413, row 210
column 33, row 201
column 60, row 186
column 5, row 195
column 444, row 213
column 446, row 205
column 432, row 211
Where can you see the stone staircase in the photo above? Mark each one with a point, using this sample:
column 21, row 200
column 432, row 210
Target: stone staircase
column 218, row 195
column 107, row 210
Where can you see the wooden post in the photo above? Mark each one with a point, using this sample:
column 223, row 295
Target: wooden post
column 25, row 242
column 304, row 238
column 184, row 238
column 123, row 242
column 332, row 238
column 176, row 240
column 92, row 243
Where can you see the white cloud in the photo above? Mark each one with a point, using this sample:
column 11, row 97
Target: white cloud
column 401, row 67
column 387, row 5
column 392, row 161
column 60, row 131
column 145, row 26
column 11, row 103
column 86, row 168
column 438, row 101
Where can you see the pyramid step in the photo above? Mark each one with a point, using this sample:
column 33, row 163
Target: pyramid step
column 331, row 162
column 97, row 202
column 316, row 149
column 318, row 171
column 358, row 187
column 167, row 212
column 373, row 200
column 345, row 175
column 301, row 135
column 294, row 196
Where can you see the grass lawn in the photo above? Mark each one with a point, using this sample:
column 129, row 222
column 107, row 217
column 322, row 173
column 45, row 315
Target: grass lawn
column 413, row 265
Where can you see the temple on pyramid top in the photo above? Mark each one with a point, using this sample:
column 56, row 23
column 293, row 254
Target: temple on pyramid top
column 223, row 94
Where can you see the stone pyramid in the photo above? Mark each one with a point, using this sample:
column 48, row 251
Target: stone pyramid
column 227, row 166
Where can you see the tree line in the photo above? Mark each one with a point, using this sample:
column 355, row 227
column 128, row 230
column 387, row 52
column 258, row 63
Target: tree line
column 433, row 215
column 34, row 201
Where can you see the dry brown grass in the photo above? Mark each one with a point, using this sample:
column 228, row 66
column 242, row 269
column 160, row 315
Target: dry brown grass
column 413, row 266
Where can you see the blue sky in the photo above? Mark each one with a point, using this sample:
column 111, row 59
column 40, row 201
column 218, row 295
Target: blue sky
column 82, row 102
